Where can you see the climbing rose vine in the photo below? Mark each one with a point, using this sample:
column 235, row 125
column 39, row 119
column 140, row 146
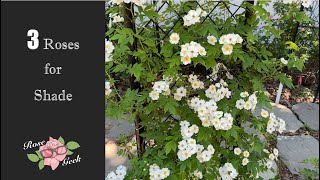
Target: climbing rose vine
column 196, row 87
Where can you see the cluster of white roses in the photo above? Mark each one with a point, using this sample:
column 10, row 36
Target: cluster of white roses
column 228, row 172
column 214, row 75
column 250, row 104
column 208, row 114
column 305, row 3
column 202, row 107
column 191, row 50
column 246, row 154
column 116, row 18
column 108, row 46
column 107, row 89
column 193, row 16
column 180, row 93
column 157, row 174
column 205, row 155
column 136, row 2
column 218, row 91
column 195, row 82
column 275, row 124
column 272, row 156
column 186, row 131
column 160, row 87
column 198, row 174
column 188, row 146
column 174, row 38
column 120, row 173
column 228, row 41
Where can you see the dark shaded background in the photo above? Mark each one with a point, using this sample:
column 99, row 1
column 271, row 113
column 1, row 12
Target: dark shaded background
column 22, row 72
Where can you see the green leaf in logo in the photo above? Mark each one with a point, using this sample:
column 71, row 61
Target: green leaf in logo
column 69, row 152
column 33, row 157
column 41, row 164
column 39, row 155
column 72, row 145
column 61, row 140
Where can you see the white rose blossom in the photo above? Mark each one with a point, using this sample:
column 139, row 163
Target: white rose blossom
column 228, row 172
column 191, row 50
column 284, row 61
column 174, row 38
column 228, row 41
column 107, row 89
column 156, row 173
column 119, row 174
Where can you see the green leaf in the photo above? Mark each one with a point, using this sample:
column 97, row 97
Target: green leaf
column 114, row 37
column 167, row 50
column 247, row 62
column 149, row 43
column 275, row 32
column 234, row 133
column 171, row 107
column 210, row 63
column 61, row 140
column 203, row 134
column 183, row 167
column 69, row 152
column 33, row 157
column 302, row 17
column 120, row 68
column 151, row 14
column 72, row 145
column 284, row 80
column 257, row 84
column 168, row 138
column 136, row 70
column 39, row 155
column 171, row 145
column 292, row 45
column 41, row 165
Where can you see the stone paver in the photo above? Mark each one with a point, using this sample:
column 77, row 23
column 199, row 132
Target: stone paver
column 308, row 113
column 292, row 122
column 295, row 149
column 269, row 174
column 112, row 159
column 116, row 128
column 247, row 129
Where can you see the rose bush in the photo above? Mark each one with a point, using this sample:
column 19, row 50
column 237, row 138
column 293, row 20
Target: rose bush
column 197, row 87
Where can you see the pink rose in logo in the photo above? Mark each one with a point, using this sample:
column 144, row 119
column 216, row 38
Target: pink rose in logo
column 53, row 152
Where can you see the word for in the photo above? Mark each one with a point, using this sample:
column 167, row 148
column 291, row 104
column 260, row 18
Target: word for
column 51, row 70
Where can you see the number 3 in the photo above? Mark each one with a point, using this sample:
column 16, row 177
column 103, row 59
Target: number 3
column 34, row 43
